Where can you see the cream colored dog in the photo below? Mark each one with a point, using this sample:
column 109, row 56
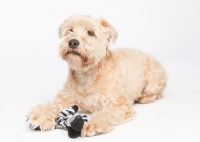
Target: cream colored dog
column 102, row 81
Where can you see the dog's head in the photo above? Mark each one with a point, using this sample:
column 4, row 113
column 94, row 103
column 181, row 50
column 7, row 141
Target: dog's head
column 85, row 41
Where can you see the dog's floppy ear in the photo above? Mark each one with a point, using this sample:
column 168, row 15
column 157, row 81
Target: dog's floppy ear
column 113, row 34
column 62, row 29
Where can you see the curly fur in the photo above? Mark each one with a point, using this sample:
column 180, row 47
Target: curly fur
column 102, row 81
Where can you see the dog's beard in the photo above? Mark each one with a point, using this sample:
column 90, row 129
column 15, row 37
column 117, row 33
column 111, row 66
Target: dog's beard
column 77, row 60
column 73, row 53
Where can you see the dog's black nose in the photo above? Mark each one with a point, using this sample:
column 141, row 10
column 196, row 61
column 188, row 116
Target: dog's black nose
column 73, row 43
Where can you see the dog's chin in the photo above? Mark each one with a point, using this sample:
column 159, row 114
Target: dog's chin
column 74, row 55
column 77, row 61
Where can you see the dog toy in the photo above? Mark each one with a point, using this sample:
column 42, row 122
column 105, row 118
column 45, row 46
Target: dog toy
column 71, row 121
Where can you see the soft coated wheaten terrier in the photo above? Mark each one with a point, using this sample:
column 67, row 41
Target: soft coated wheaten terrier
column 102, row 81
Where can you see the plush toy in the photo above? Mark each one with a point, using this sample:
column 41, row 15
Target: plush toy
column 71, row 121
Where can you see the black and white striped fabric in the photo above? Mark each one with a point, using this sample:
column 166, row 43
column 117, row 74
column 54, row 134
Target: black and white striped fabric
column 67, row 116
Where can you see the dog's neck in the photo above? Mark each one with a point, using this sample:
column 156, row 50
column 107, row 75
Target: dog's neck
column 83, row 77
column 86, row 76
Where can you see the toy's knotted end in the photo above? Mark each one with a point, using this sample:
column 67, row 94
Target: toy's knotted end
column 73, row 133
column 77, row 123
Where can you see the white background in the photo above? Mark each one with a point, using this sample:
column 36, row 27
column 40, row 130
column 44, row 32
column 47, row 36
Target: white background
column 31, row 71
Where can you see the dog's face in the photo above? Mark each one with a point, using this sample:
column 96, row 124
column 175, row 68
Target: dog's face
column 85, row 41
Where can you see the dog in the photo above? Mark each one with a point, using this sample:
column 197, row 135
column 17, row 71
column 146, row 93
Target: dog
column 102, row 81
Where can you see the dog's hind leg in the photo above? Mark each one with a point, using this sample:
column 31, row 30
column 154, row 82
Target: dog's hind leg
column 156, row 79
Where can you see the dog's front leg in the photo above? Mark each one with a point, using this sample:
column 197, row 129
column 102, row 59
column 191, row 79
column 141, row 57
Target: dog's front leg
column 43, row 116
column 103, row 121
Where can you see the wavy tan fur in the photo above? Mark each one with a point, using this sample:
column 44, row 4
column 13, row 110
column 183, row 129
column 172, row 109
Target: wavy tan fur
column 102, row 81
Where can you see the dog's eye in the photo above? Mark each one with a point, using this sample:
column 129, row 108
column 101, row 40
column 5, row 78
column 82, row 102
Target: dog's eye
column 91, row 33
column 71, row 30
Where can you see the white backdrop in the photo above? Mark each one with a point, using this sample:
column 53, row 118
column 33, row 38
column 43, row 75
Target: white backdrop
column 31, row 71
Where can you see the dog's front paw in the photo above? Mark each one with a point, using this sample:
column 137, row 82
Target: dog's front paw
column 94, row 128
column 42, row 117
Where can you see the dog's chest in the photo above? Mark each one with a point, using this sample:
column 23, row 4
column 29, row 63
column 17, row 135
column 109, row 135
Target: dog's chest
column 90, row 92
column 93, row 102
column 91, row 99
